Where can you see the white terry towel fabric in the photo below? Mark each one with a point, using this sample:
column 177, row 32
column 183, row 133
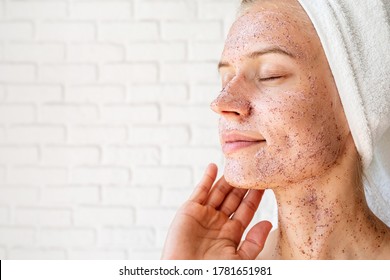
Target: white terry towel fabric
column 355, row 35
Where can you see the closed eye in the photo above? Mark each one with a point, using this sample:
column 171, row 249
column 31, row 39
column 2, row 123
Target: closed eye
column 270, row 78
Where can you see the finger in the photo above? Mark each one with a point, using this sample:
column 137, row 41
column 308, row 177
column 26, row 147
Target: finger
column 255, row 240
column 201, row 191
column 218, row 193
column 232, row 201
column 246, row 210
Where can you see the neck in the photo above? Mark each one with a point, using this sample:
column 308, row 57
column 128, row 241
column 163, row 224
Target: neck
column 327, row 217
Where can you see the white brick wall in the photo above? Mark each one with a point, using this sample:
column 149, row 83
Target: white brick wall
column 105, row 124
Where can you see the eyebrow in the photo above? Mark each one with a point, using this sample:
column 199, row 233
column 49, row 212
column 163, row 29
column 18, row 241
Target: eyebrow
column 255, row 54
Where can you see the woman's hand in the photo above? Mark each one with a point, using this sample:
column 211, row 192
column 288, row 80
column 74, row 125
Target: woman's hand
column 211, row 223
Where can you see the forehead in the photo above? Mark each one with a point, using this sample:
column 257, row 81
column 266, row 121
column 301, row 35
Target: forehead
column 262, row 26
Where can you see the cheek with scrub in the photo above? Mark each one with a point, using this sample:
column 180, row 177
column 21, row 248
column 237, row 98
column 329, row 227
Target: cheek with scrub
column 302, row 141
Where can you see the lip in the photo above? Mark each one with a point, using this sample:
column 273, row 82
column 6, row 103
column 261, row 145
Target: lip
column 233, row 142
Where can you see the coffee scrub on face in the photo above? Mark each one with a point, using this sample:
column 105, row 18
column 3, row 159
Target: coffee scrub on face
column 277, row 87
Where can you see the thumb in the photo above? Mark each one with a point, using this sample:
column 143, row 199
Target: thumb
column 255, row 240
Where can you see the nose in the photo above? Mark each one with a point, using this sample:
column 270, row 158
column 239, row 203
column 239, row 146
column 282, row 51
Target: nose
column 231, row 103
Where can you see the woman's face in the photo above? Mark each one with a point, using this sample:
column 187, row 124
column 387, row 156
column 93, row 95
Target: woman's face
column 281, row 118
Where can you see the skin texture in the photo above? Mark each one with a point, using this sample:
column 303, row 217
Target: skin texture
column 298, row 113
column 282, row 127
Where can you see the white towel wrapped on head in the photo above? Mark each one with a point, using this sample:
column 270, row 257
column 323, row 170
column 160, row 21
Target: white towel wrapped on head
column 355, row 35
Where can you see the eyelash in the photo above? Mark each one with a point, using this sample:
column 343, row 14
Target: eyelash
column 270, row 78
column 262, row 80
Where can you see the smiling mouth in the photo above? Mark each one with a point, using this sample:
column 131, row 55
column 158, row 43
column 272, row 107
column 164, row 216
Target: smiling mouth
column 230, row 147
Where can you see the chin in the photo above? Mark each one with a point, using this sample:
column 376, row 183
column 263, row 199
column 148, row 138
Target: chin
column 257, row 174
column 240, row 176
